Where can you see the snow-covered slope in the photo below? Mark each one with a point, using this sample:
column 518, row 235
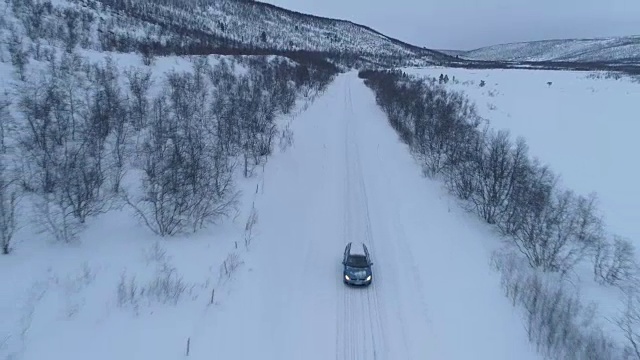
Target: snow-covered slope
column 616, row 49
column 205, row 27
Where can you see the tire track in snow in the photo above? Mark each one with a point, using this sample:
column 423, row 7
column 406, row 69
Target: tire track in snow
column 376, row 327
column 401, row 247
column 356, row 337
column 369, row 306
column 345, row 345
column 352, row 335
column 402, row 243
column 341, row 300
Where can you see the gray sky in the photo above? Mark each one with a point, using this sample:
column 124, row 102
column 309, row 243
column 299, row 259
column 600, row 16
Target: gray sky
column 465, row 24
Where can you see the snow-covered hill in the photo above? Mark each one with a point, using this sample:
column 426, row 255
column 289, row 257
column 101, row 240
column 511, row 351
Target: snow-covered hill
column 205, row 27
column 616, row 49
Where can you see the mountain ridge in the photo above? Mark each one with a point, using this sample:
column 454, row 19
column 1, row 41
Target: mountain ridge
column 617, row 49
column 200, row 27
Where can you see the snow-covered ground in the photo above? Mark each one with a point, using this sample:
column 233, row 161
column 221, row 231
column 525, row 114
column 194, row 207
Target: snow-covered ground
column 74, row 301
column 346, row 178
column 584, row 128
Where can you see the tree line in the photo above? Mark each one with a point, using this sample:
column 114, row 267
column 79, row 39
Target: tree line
column 553, row 228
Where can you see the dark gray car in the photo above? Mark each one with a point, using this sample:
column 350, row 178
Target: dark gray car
column 357, row 266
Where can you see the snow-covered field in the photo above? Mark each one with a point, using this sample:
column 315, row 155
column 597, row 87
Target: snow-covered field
column 584, row 128
column 347, row 178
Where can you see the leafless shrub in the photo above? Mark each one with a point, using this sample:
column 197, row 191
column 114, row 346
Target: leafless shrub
column 4, row 341
column 557, row 233
column 73, row 285
column 188, row 178
column 56, row 218
column 248, row 228
column 8, row 201
column 19, row 56
column 165, row 286
column 67, row 119
column 286, row 138
column 557, row 323
column 229, row 265
column 156, row 254
column 629, row 323
column 128, row 293
column 80, row 280
column 614, row 263
column 139, row 82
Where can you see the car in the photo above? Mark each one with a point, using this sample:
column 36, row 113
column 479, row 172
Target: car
column 357, row 265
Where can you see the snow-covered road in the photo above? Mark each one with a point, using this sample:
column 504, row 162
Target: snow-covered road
column 349, row 178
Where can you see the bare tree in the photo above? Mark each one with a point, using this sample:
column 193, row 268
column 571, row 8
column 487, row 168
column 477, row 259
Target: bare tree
column 163, row 205
column 549, row 235
column 629, row 323
column 63, row 140
column 448, row 118
column 110, row 121
column 460, row 172
column 55, row 216
column 614, row 263
column 19, row 56
column 497, row 169
column 187, row 175
column 37, row 138
column 8, row 183
column 85, row 113
column 258, row 128
column 556, row 321
column 7, row 125
column 522, row 174
column 139, row 82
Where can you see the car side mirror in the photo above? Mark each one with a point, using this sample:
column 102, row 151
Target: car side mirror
column 370, row 264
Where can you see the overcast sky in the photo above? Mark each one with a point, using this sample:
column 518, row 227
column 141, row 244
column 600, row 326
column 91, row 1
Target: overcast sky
column 466, row 24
